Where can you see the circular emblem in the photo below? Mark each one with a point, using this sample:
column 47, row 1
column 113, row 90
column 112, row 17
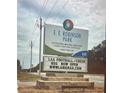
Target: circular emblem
column 68, row 24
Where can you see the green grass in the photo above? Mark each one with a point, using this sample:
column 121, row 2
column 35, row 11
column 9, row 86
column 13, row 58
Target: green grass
column 25, row 76
column 48, row 50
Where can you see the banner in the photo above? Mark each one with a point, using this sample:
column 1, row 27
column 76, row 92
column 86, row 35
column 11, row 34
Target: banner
column 64, row 64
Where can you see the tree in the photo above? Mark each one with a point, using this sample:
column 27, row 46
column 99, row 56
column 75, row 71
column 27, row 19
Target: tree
column 18, row 65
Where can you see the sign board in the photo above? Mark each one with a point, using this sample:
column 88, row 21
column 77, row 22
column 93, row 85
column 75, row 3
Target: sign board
column 65, row 64
column 65, row 48
column 58, row 41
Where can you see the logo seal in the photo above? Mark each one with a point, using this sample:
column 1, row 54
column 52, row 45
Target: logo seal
column 68, row 25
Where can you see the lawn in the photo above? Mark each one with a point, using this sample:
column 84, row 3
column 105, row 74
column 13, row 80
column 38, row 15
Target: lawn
column 25, row 76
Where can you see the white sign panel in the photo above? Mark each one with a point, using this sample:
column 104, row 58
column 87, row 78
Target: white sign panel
column 65, row 64
column 58, row 41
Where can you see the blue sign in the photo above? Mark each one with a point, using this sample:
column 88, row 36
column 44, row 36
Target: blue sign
column 80, row 54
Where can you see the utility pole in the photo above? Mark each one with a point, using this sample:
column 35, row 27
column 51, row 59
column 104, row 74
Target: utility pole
column 22, row 64
column 40, row 46
column 31, row 57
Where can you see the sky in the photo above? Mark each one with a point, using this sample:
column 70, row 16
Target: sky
column 89, row 14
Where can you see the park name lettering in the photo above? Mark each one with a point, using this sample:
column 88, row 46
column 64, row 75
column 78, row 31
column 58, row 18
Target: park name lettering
column 67, row 36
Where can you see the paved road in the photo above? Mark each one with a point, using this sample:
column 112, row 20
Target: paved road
column 24, row 84
column 98, row 79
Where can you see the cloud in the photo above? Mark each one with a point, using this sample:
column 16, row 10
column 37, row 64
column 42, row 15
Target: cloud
column 51, row 10
column 91, row 15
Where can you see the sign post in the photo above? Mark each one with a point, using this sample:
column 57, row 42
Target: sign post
column 40, row 46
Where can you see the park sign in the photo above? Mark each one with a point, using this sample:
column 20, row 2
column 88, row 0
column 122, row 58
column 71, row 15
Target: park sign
column 65, row 48
column 61, row 42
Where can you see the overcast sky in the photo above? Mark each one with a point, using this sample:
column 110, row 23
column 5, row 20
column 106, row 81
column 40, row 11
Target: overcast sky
column 84, row 13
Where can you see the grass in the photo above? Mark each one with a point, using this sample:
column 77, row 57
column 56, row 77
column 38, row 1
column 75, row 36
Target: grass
column 25, row 76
